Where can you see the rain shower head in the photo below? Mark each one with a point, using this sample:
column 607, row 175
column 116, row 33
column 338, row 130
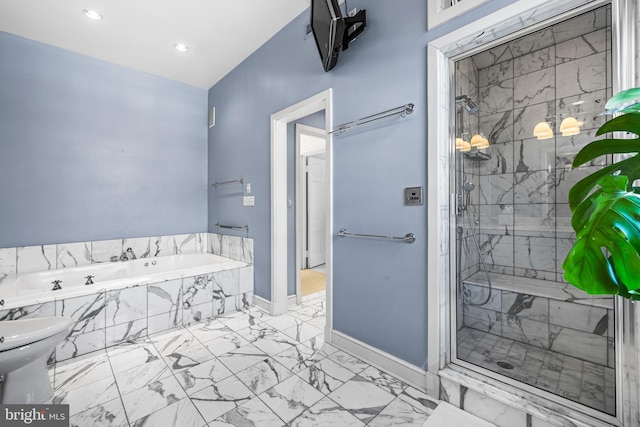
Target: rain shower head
column 469, row 104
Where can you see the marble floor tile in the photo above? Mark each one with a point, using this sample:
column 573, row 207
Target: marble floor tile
column 109, row 414
column 284, row 322
column 142, row 375
column 128, row 356
column 240, row 359
column 351, row 363
column 299, row 358
column 216, row 400
column 203, row 375
column 187, row 357
column 303, row 332
column 290, row 398
column 419, row 399
column 239, row 320
column 180, row 414
column 326, row 412
column 169, row 342
column 264, row 375
column 153, row 397
column 225, row 344
column 363, row 399
column 306, row 313
column 275, row 343
column 77, row 373
column 326, row 375
column 252, row 413
column 399, row 413
column 207, row 331
column 87, row 396
column 383, row 380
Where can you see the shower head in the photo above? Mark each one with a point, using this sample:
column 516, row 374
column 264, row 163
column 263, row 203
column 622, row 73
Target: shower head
column 469, row 104
column 468, row 187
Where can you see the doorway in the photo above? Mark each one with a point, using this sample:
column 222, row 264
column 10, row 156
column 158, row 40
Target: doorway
column 311, row 212
column 280, row 202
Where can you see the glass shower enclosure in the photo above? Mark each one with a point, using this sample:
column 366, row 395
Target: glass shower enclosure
column 523, row 110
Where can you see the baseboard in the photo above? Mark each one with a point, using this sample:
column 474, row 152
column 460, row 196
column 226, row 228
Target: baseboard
column 266, row 304
column 407, row 372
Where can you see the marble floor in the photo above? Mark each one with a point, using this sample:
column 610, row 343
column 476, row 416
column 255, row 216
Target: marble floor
column 581, row 381
column 242, row 369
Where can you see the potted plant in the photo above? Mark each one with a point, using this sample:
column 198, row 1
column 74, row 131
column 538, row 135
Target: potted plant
column 605, row 258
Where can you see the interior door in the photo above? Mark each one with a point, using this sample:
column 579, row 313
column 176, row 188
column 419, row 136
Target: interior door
column 316, row 211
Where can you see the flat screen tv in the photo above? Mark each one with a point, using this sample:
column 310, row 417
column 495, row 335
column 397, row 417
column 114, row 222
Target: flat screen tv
column 332, row 31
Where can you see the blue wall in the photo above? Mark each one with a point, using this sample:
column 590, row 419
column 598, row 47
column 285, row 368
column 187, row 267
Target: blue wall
column 380, row 287
column 91, row 150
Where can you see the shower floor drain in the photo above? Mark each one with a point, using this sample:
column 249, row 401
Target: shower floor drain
column 504, row 365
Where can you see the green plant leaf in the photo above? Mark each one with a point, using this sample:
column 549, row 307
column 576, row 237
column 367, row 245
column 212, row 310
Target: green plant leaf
column 623, row 102
column 605, row 258
column 629, row 167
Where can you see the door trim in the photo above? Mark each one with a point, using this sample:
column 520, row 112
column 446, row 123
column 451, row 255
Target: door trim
column 279, row 121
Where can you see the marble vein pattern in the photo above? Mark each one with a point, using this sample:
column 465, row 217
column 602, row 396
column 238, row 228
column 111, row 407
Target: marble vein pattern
column 36, row 258
column 73, row 254
column 236, row 384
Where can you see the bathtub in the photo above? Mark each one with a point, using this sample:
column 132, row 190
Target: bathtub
column 36, row 288
column 129, row 300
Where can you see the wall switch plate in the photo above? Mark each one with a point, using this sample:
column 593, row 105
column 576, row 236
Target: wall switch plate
column 413, row 196
column 249, row 201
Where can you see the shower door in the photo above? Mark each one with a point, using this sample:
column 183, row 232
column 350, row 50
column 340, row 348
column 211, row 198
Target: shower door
column 516, row 317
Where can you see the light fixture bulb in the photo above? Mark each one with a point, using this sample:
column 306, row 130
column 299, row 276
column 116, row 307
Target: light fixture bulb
column 465, row 146
column 459, row 143
column 92, row 14
column 181, row 47
column 476, row 140
column 543, row 131
column 569, row 126
column 483, row 144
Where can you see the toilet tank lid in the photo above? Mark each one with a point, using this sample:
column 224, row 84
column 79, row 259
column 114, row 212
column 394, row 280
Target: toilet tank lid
column 21, row 332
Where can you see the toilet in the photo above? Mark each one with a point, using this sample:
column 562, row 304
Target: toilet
column 25, row 346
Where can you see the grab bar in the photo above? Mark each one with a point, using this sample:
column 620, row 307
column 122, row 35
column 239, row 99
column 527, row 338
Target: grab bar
column 408, row 238
column 240, row 181
column 232, row 227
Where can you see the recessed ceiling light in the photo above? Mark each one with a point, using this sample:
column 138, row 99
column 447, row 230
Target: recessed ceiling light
column 92, row 14
column 181, row 47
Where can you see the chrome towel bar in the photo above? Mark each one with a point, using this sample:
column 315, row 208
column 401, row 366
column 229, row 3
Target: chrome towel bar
column 408, row 238
column 403, row 111
column 216, row 184
column 232, row 227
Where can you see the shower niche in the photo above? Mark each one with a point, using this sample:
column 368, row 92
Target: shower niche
column 516, row 317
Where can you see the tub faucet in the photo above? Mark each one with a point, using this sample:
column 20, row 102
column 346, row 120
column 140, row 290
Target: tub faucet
column 128, row 255
column 89, row 279
column 130, row 252
column 114, row 258
column 56, row 285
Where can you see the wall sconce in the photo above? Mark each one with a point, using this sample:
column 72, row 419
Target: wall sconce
column 569, row 126
column 543, row 131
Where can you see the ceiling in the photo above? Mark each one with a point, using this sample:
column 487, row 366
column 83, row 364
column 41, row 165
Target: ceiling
column 141, row 34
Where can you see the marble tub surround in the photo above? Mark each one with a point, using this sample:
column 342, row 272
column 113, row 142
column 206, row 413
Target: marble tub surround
column 108, row 317
column 138, row 383
column 234, row 247
column 30, row 259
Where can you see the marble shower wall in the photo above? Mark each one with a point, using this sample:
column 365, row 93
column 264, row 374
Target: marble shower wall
column 522, row 191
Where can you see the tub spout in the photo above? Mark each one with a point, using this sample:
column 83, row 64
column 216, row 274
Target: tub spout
column 130, row 252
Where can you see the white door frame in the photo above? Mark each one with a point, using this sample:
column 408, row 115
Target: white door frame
column 279, row 121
